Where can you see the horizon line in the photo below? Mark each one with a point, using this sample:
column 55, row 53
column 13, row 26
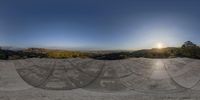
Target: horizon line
column 79, row 49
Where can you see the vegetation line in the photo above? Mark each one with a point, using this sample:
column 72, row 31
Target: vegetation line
column 188, row 49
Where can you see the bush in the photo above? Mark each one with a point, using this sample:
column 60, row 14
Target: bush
column 65, row 54
column 2, row 55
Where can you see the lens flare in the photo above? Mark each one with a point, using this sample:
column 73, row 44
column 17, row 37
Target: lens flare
column 160, row 45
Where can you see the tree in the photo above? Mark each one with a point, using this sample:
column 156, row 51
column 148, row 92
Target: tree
column 190, row 49
column 188, row 44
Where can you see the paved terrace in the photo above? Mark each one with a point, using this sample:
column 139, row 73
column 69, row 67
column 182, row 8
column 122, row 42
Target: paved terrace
column 89, row 79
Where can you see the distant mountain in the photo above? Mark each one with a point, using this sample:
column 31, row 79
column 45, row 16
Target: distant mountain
column 11, row 48
column 188, row 49
column 36, row 50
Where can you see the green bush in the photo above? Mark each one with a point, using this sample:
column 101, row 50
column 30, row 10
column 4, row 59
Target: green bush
column 2, row 55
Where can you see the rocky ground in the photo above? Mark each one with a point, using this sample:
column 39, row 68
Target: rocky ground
column 88, row 79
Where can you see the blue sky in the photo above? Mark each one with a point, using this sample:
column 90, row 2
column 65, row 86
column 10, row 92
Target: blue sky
column 102, row 24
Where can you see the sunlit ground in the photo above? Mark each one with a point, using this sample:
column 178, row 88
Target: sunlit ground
column 159, row 70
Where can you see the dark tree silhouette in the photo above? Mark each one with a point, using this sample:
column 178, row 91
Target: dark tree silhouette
column 188, row 44
column 191, row 50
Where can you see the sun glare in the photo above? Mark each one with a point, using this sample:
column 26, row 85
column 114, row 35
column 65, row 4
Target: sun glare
column 159, row 45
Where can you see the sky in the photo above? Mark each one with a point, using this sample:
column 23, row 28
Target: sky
column 99, row 24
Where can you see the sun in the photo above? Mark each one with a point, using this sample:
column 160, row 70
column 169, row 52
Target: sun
column 159, row 45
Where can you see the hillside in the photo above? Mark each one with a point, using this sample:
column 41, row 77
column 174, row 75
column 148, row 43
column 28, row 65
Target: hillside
column 188, row 49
